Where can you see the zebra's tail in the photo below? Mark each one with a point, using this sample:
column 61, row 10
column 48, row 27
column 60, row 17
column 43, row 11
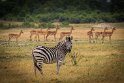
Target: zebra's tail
column 35, row 64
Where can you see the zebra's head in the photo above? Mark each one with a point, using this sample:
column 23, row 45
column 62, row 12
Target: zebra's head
column 65, row 45
column 68, row 44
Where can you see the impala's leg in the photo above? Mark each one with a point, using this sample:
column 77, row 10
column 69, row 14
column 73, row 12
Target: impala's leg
column 55, row 37
column 9, row 39
column 89, row 39
column 46, row 36
column 110, row 39
column 92, row 38
column 96, row 38
column 60, row 36
column 103, row 39
column 30, row 37
column 38, row 37
column 16, row 40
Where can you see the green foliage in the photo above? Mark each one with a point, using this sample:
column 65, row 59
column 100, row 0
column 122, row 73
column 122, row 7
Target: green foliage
column 63, row 10
column 64, row 24
column 8, row 25
column 28, row 25
column 47, row 25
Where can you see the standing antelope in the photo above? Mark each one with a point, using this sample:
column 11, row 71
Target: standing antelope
column 63, row 34
column 42, row 33
column 109, row 34
column 97, row 34
column 90, row 34
column 52, row 33
column 34, row 32
column 15, row 36
column 37, row 33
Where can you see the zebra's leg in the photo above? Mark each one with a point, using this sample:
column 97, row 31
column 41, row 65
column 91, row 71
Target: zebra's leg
column 40, row 67
column 34, row 69
column 58, row 65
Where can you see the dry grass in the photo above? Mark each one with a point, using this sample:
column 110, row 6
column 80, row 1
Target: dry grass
column 98, row 63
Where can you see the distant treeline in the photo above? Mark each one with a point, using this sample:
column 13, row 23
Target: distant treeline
column 72, row 11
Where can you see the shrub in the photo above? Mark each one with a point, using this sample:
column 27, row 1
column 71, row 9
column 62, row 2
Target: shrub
column 27, row 25
column 64, row 24
column 46, row 25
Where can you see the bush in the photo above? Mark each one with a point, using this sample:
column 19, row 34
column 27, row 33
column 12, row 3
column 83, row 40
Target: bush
column 64, row 24
column 27, row 25
column 46, row 25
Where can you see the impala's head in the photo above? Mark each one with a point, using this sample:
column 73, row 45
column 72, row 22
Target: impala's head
column 21, row 31
column 57, row 27
column 68, row 43
column 105, row 28
column 72, row 28
column 92, row 29
column 114, row 28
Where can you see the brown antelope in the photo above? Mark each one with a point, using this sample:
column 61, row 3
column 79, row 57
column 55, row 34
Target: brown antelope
column 52, row 33
column 42, row 33
column 98, row 34
column 15, row 36
column 90, row 34
column 33, row 32
column 63, row 34
column 109, row 34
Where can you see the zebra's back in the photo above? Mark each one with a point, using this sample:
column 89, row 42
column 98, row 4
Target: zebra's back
column 45, row 54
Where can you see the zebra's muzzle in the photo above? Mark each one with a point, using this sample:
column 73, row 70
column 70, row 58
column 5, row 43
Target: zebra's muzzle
column 69, row 50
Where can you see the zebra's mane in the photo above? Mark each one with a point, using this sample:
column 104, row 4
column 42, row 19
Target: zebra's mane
column 59, row 44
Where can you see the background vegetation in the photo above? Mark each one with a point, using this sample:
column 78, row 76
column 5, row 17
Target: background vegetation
column 72, row 11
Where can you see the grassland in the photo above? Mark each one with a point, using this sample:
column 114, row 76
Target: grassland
column 96, row 62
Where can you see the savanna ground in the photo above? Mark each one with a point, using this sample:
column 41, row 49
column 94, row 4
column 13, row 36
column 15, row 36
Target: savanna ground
column 96, row 62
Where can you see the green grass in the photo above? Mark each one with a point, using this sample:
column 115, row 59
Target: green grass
column 98, row 63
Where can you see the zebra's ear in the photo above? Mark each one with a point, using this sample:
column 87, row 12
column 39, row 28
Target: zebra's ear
column 71, row 37
column 67, row 37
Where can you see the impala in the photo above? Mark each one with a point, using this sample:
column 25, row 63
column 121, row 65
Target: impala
column 90, row 34
column 15, row 36
column 109, row 34
column 52, row 33
column 63, row 34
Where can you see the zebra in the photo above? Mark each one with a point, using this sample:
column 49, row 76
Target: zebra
column 50, row 55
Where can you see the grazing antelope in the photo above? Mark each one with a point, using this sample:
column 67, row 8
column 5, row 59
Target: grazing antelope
column 15, row 36
column 90, row 34
column 52, row 33
column 109, row 34
column 63, row 34
column 97, row 34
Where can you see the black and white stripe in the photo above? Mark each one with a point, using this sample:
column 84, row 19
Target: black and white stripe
column 49, row 55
